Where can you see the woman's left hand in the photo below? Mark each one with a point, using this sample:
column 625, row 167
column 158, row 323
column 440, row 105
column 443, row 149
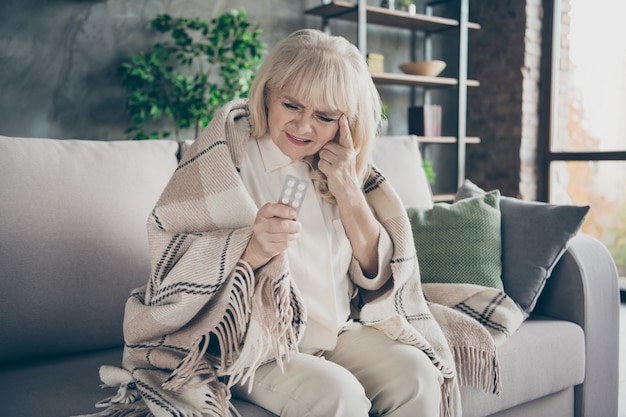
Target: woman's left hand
column 338, row 162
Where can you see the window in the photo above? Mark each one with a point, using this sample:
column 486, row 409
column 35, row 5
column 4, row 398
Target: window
column 586, row 154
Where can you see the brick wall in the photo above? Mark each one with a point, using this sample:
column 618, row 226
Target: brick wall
column 505, row 56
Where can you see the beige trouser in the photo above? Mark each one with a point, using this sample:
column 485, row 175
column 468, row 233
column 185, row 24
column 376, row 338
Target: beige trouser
column 367, row 374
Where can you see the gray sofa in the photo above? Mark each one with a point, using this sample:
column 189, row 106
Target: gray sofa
column 73, row 244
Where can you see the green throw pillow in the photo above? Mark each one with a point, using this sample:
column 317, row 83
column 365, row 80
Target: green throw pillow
column 460, row 243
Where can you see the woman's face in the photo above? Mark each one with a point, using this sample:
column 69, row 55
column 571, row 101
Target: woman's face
column 296, row 127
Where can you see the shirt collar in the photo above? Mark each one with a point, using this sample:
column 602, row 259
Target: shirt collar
column 273, row 158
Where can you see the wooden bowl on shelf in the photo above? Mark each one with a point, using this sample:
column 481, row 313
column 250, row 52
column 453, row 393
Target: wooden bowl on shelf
column 428, row 68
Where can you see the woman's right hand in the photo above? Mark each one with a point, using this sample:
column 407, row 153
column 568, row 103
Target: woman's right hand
column 275, row 228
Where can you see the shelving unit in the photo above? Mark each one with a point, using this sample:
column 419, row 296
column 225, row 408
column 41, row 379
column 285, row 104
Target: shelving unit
column 345, row 10
column 418, row 80
column 364, row 15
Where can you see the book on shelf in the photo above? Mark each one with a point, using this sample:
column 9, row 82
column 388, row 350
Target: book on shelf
column 425, row 120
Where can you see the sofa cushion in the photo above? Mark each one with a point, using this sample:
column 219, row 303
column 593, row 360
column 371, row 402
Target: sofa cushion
column 543, row 357
column 400, row 161
column 534, row 237
column 459, row 243
column 68, row 386
column 73, row 227
column 56, row 387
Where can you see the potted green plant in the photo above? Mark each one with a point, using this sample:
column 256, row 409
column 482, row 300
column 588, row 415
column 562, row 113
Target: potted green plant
column 384, row 119
column 429, row 170
column 182, row 81
column 407, row 6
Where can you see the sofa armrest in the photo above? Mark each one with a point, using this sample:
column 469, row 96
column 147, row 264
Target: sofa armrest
column 583, row 288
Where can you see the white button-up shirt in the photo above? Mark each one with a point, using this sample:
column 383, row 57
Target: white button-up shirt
column 321, row 257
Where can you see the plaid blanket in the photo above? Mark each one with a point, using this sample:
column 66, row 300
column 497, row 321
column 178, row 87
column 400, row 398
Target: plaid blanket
column 205, row 321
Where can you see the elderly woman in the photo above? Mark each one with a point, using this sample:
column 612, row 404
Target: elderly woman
column 313, row 309
column 314, row 113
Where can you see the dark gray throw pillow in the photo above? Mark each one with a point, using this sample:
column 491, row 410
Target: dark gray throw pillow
column 534, row 237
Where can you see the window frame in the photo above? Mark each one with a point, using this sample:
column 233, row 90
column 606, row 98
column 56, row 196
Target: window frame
column 548, row 114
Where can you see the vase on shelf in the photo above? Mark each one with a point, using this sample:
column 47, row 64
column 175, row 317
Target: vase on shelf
column 401, row 5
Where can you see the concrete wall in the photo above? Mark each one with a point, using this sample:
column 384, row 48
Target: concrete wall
column 58, row 59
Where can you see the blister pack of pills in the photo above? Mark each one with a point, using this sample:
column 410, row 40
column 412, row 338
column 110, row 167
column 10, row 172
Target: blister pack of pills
column 293, row 191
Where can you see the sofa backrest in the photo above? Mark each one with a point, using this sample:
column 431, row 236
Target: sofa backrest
column 400, row 161
column 73, row 240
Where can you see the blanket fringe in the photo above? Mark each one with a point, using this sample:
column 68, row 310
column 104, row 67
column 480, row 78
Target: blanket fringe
column 478, row 368
column 229, row 332
column 218, row 402
column 112, row 377
column 281, row 331
column 267, row 335
column 190, row 366
column 253, row 354
column 232, row 329
column 449, row 406
column 244, row 318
